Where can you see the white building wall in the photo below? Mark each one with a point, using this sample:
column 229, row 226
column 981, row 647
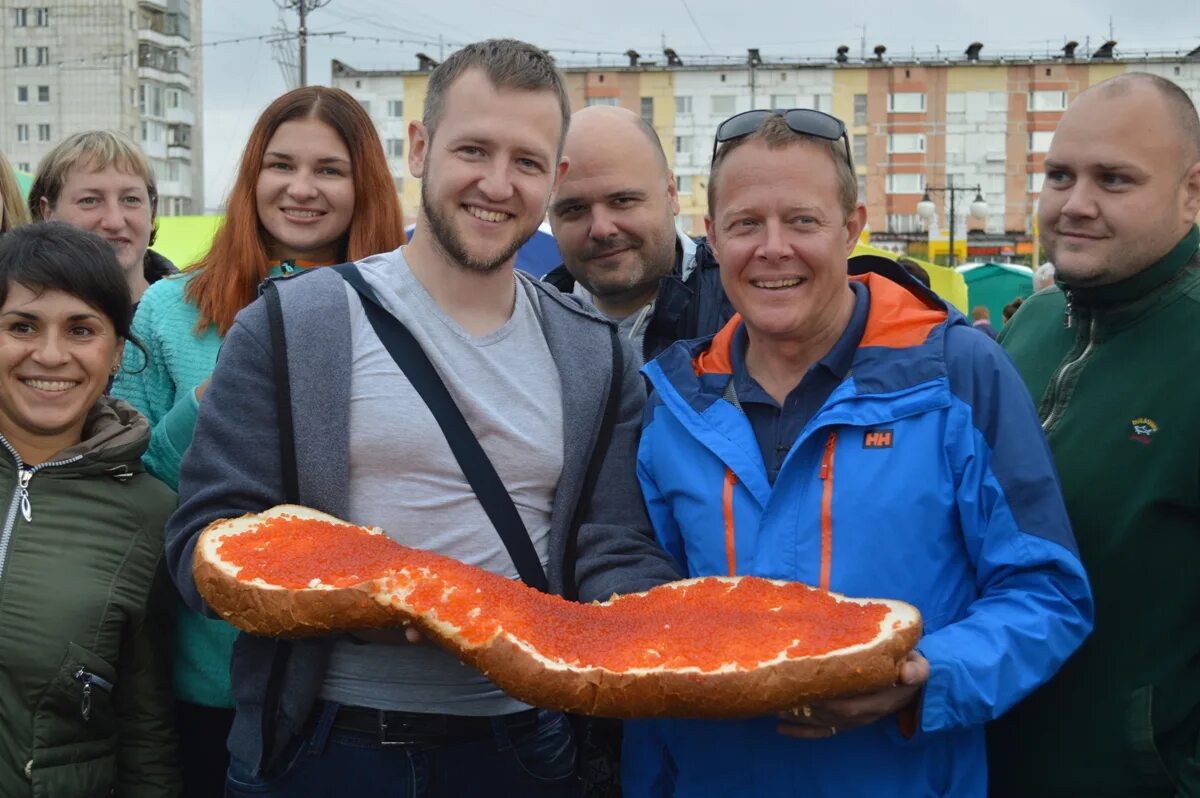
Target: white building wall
column 91, row 67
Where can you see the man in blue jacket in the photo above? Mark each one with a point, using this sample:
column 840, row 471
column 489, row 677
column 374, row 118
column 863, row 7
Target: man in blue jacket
column 853, row 433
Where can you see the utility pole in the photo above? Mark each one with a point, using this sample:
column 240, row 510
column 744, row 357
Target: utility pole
column 303, row 8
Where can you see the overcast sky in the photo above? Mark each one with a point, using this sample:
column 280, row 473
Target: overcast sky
column 241, row 78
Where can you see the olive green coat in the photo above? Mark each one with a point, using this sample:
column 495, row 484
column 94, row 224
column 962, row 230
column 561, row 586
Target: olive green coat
column 85, row 701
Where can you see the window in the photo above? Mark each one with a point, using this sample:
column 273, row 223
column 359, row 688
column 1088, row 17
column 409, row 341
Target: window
column 683, row 105
column 783, row 102
column 998, row 101
column 859, row 146
column 43, row 56
column 172, row 170
column 43, row 17
column 24, row 166
column 22, row 133
column 906, row 184
column 862, row 188
column 823, row 102
column 398, row 182
column 683, row 144
column 956, row 143
column 909, row 102
column 684, row 184
column 144, row 132
column 172, row 98
column 142, row 99
column 366, row 106
column 22, row 94
column 905, row 223
column 396, row 109
column 20, row 17
column 132, row 96
column 601, row 101
column 648, row 110
column 22, row 56
column 724, row 104
column 43, row 94
column 906, row 142
column 1039, row 140
column 1047, row 100
column 395, row 148
column 1033, row 182
column 860, row 109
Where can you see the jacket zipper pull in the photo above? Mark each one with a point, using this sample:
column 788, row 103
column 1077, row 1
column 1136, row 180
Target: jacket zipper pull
column 88, row 680
column 1067, row 313
column 23, row 482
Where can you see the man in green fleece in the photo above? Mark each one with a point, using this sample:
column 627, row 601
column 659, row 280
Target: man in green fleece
column 1112, row 356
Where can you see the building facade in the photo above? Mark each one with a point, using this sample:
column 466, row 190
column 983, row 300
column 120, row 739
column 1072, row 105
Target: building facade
column 916, row 126
column 130, row 65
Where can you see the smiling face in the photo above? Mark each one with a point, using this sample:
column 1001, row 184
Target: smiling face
column 111, row 203
column 56, row 356
column 487, row 173
column 1121, row 187
column 782, row 240
column 613, row 214
column 305, row 192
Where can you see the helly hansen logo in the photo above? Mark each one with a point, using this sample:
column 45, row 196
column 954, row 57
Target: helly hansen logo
column 877, row 439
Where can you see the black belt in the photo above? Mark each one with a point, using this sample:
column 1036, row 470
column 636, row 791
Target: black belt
column 417, row 728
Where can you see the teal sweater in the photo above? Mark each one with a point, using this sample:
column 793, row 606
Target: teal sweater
column 163, row 387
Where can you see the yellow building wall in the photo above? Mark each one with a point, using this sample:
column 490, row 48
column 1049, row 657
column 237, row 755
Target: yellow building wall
column 848, row 82
column 1102, row 72
column 414, row 107
column 971, row 78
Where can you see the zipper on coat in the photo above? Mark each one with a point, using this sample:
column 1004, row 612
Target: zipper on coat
column 1067, row 312
column 730, row 530
column 20, row 498
column 827, row 509
column 1060, row 378
column 90, row 680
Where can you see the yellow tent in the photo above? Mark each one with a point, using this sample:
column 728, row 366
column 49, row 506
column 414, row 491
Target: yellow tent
column 183, row 240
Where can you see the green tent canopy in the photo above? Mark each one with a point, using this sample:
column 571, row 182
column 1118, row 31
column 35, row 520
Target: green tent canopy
column 994, row 285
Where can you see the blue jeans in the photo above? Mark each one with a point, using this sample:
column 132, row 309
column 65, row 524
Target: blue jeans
column 536, row 761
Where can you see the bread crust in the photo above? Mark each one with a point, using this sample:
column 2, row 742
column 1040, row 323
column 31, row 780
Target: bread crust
column 517, row 668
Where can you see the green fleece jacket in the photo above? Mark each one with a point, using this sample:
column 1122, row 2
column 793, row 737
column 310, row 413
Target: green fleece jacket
column 1116, row 373
column 85, row 610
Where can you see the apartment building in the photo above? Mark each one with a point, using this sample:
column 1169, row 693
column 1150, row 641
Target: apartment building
column 917, row 126
column 128, row 65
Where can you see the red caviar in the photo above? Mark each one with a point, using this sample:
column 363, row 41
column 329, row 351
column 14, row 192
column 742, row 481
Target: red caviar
column 706, row 624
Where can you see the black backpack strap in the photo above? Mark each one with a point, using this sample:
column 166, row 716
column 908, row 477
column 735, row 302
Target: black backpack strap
column 592, row 476
column 471, row 457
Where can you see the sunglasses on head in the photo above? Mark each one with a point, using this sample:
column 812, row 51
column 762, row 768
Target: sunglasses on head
column 805, row 121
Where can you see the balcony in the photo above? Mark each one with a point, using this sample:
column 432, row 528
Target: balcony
column 180, row 151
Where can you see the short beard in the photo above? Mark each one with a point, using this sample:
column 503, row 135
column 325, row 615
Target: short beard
column 447, row 240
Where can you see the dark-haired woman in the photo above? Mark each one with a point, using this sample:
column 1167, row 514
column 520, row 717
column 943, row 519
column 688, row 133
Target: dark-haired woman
column 85, row 702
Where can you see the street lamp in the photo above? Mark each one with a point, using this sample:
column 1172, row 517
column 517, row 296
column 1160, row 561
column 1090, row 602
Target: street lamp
column 978, row 209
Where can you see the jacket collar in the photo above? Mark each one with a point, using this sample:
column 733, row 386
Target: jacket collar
column 1144, row 282
column 896, row 319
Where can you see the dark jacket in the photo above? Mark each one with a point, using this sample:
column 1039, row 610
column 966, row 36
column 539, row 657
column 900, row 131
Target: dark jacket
column 233, row 467
column 85, row 609
column 691, row 301
column 1114, row 372
column 155, row 267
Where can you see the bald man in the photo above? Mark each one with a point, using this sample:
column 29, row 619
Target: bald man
column 1112, row 356
column 613, row 217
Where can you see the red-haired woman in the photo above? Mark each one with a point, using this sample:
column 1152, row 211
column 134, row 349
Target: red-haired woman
column 313, row 189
